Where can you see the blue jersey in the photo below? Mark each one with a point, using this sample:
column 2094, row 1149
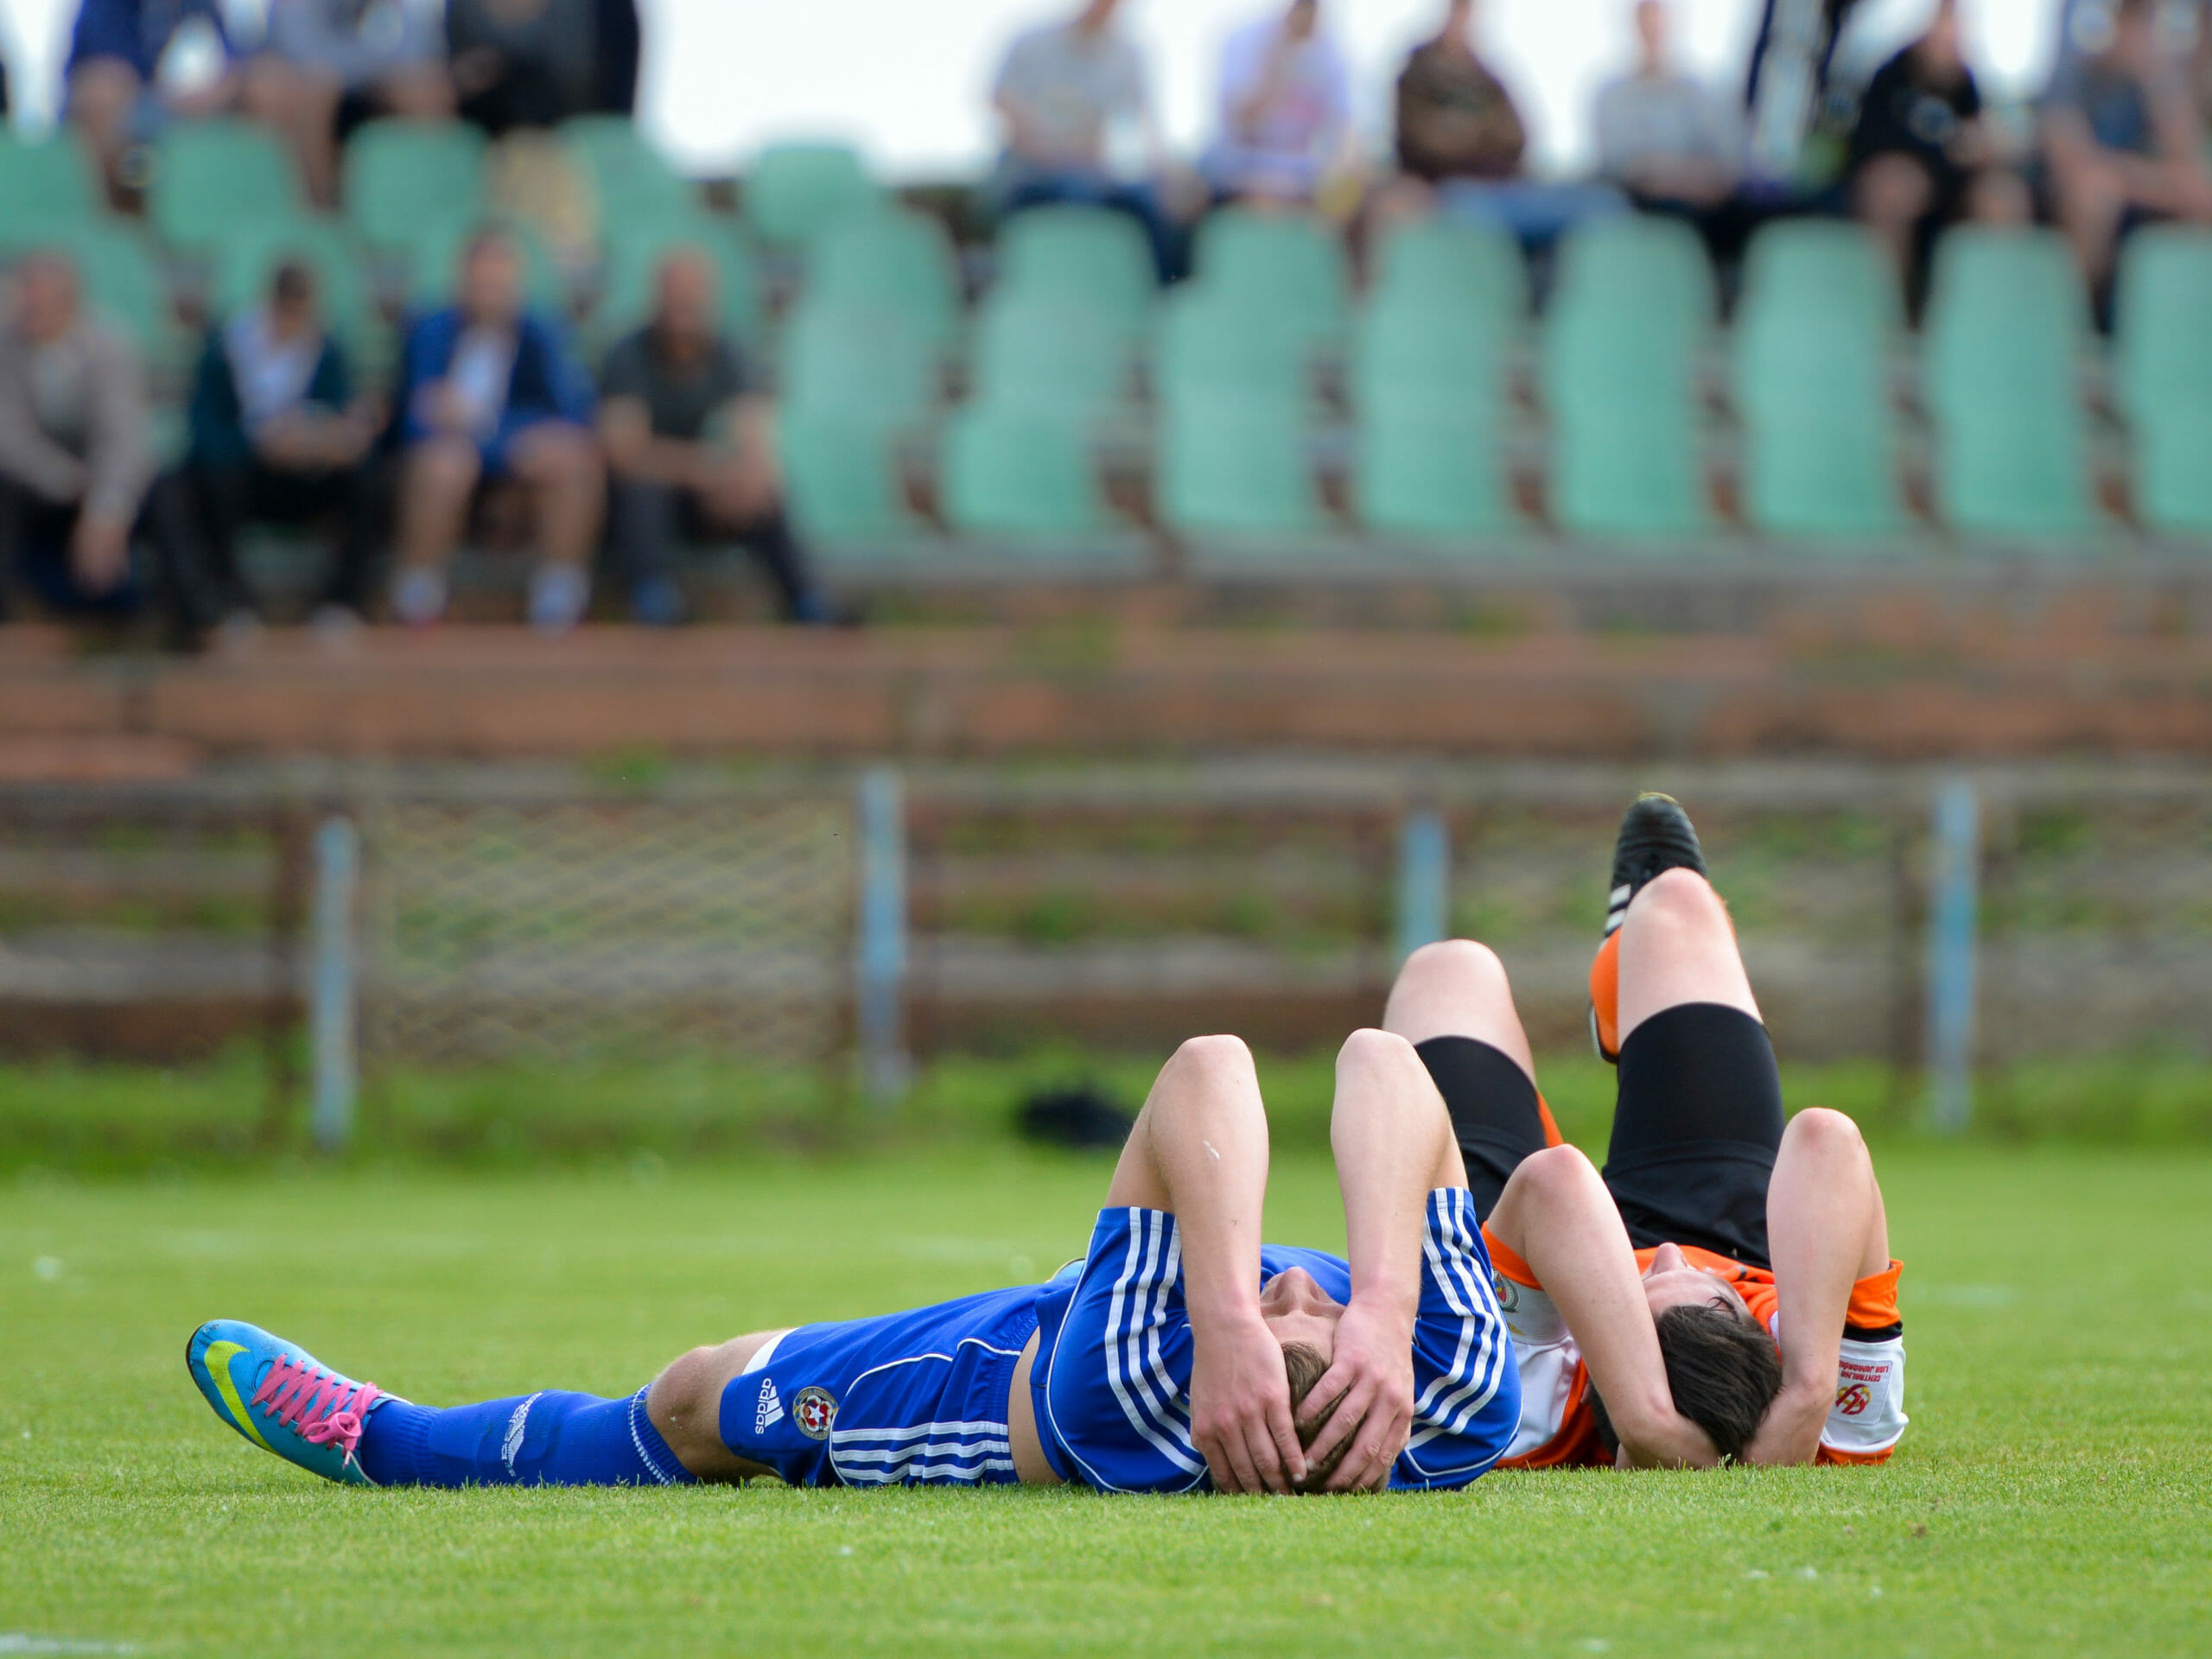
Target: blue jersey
column 1112, row 1380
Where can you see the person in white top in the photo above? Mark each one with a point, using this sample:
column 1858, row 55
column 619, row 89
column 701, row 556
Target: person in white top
column 1286, row 108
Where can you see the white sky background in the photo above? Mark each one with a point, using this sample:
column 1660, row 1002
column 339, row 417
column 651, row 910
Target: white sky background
column 908, row 79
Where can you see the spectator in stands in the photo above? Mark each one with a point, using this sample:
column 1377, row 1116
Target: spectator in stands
column 1920, row 150
column 691, row 446
column 77, row 478
column 1061, row 91
column 278, row 434
column 1461, row 142
column 133, row 64
column 2124, row 140
column 329, row 65
column 526, row 63
column 1672, row 144
column 1286, row 109
column 490, row 394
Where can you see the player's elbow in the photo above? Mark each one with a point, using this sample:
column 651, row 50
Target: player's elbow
column 1556, row 1176
column 1818, row 1129
column 1369, row 1051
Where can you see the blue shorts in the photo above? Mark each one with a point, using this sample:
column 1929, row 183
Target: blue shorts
column 917, row 1398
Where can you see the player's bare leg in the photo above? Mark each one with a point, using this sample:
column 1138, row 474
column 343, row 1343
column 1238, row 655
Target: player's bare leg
column 1678, row 946
column 685, row 1405
column 1457, row 989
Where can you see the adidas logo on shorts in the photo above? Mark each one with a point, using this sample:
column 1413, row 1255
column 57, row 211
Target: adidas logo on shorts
column 770, row 1410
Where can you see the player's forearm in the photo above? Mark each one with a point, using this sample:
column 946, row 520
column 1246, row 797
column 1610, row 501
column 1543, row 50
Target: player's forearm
column 1823, row 1213
column 1392, row 1139
column 1210, row 1149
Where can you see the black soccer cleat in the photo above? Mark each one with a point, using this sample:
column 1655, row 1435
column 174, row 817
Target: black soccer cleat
column 1655, row 837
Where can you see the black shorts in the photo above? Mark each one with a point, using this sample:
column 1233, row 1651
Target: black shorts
column 1697, row 1124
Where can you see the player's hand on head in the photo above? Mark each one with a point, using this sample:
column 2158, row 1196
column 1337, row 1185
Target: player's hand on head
column 1240, row 1409
column 1364, row 1402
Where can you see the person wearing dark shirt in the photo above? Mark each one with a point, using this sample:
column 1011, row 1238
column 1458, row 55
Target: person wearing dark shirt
column 278, row 436
column 534, row 63
column 134, row 63
column 2124, row 141
column 490, row 393
column 1918, row 145
column 691, row 443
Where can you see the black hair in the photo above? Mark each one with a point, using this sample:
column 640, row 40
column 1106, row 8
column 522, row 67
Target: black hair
column 1722, row 1369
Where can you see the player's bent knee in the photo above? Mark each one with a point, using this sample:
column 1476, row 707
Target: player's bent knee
column 1818, row 1126
column 1680, row 895
column 1462, row 965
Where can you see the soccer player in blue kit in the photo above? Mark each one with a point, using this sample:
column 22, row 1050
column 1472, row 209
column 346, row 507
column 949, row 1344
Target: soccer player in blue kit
column 1180, row 1354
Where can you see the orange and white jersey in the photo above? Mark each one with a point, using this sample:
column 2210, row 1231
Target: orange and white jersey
column 1558, row 1428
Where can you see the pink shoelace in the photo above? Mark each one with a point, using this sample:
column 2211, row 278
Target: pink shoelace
column 325, row 1409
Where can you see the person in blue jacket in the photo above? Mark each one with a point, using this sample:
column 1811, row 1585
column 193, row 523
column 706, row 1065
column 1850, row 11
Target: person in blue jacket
column 135, row 64
column 491, row 394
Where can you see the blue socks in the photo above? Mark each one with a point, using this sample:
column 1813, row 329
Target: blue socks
column 538, row 1440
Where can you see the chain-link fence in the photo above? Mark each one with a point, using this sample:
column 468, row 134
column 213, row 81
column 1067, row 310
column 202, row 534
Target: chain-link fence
column 562, row 932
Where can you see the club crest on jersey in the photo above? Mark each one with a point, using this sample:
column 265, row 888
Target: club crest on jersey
column 1509, row 1294
column 813, row 1410
column 1853, row 1399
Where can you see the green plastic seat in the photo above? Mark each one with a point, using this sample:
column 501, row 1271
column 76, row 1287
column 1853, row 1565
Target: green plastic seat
column 631, row 180
column 795, row 192
column 1083, row 258
column 1046, row 355
column 2005, row 328
column 634, row 265
column 1427, row 378
column 2163, row 374
column 1632, row 308
column 1208, row 345
column 1283, row 269
column 434, row 264
column 51, row 182
column 119, row 274
column 1021, row 471
column 1819, row 314
column 247, row 263
column 212, row 178
column 893, row 260
column 854, row 381
column 403, row 175
column 1230, row 438
column 1451, row 263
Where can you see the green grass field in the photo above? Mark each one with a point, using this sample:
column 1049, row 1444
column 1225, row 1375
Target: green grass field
column 2051, row 1496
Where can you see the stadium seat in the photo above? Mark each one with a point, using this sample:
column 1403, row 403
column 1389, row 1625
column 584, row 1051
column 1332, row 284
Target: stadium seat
column 1428, row 383
column 1085, row 257
column 1278, row 269
column 1633, row 308
column 403, row 175
column 630, row 179
column 1021, row 471
column 1453, row 263
column 245, row 264
column 435, row 262
column 1231, row 434
column 1815, row 328
column 51, row 182
column 855, row 381
column 121, row 276
column 2006, row 325
column 633, row 263
column 795, row 192
column 212, row 177
column 1045, row 354
column 2163, row 374
column 894, row 260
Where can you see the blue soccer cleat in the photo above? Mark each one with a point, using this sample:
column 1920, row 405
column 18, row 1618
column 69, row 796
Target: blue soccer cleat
column 280, row 1397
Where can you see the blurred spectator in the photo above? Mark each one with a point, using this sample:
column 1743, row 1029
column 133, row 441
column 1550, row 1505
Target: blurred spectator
column 526, row 63
column 1671, row 142
column 691, row 447
column 1286, row 108
column 329, row 65
column 1060, row 92
column 76, row 473
column 279, row 435
column 134, row 63
column 1458, row 131
column 491, row 394
column 2124, row 139
column 1920, row 155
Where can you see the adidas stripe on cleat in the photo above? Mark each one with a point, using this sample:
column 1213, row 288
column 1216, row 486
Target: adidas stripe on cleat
column 1655, row 837
column 277, row 1395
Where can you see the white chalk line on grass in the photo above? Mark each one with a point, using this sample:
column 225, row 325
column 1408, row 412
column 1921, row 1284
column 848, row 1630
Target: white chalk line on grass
column 23, row 1642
